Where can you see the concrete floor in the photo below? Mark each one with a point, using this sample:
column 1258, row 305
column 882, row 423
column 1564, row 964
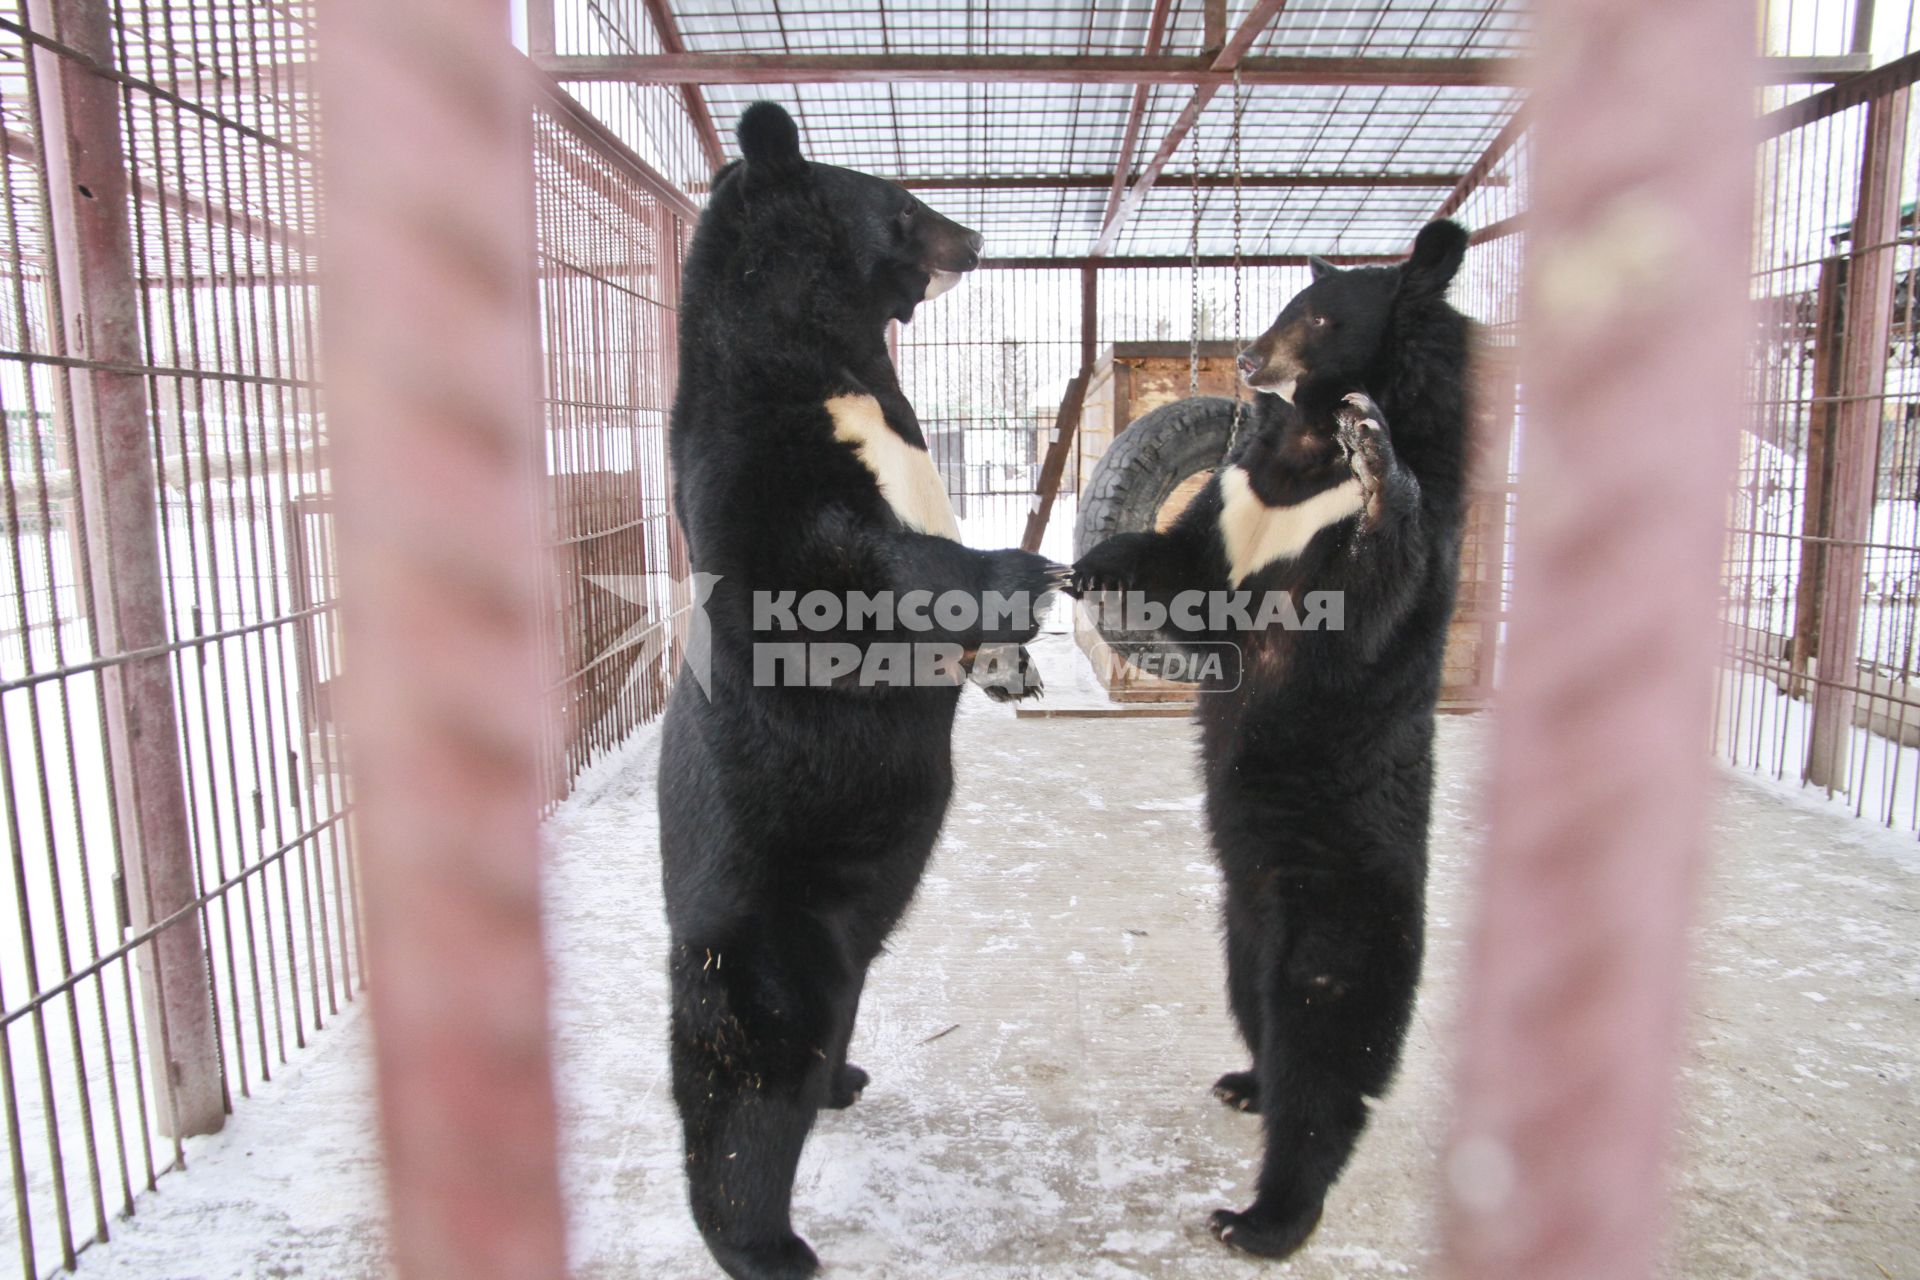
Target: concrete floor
column 1044, row 1031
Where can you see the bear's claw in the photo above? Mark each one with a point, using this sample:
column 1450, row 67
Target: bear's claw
column 1239, row 1090
column 1264, row 1239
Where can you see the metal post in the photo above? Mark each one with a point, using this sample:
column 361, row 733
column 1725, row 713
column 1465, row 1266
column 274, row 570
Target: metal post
column 428, row 175
column 1829, row 313
column 1600, row 772
column 88, row 190
column 1856, row 435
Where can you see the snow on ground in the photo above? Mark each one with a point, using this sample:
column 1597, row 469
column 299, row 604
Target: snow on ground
column 1044, row 1030
column 280, row 941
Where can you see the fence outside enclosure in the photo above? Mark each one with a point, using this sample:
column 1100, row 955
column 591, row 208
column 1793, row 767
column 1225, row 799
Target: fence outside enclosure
column 183, row 910
column 1823, row 556
column 183, row 914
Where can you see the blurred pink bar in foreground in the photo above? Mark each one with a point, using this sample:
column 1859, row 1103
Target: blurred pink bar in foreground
column 429, row 313
column 1635, row 324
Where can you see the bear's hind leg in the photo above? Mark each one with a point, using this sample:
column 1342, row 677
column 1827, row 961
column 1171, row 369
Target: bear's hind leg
column 844, row 1080
column 752, row 1029
column 1336, row 1012
column 1249, row 938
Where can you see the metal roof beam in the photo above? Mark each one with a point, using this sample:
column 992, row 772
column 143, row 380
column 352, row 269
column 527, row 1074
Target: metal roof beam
column 745, row 68
column 1100, row 181
column 1479, row 174
column 1232, row 55
column 668, row 31
column 1136, row 112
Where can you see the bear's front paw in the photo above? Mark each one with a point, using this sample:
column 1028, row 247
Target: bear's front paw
column 1025, row 581
column 1263, row 1235
column 1007, row 673
column 1111, row 566
column 1361, row 429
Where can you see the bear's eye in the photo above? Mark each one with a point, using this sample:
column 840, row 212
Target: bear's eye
column 1318, row 322
column 906, row 215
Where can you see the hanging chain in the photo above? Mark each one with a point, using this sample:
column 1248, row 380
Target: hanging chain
column 1193, row 280
column 1239, row 333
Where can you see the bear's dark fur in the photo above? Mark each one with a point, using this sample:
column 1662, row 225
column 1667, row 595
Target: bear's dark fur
column 1319, row 764
column 795, row 822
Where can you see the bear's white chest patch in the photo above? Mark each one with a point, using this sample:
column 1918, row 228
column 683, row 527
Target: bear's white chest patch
column 1256, row 534
column 908, row 479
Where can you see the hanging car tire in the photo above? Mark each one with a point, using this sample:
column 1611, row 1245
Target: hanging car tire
column 1146, row 478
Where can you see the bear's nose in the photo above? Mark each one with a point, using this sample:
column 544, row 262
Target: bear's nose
column 974, row 243
column 1249, row 364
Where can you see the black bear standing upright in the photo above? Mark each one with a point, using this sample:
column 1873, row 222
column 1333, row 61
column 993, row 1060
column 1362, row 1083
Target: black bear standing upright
column 795, row 822
column 1319, row 764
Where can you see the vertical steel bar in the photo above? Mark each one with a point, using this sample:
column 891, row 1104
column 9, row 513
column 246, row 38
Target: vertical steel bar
column 1600, row 783
column 428, row 175
column 1856, row 435
column 89, row 194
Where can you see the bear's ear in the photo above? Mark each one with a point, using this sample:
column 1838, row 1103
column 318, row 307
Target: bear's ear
column 1437, row 253
column 1320, row 267
column 769, row 139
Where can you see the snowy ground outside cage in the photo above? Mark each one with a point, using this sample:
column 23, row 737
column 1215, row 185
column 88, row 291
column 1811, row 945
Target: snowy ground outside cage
column 280, row 940
column 1044, row 1029
column 1761, row 728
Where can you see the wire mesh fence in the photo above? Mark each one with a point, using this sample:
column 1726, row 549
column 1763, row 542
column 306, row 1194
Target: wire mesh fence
column 181, row 913
column 1822, row 584
column 610, row 234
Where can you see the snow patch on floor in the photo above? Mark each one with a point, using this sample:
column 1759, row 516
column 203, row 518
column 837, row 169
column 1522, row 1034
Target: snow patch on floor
column 1044, row 1029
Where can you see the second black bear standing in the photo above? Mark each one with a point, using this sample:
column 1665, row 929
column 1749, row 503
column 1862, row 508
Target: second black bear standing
column 1319, row 764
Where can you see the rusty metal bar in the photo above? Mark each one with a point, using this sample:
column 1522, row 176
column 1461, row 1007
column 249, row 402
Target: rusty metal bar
column 1259, row 17
column 1477, row 176
column 1815, row 515
column 89, row 197
column 1222, row 65
column 664, row 26
column 582, row 122
column 1150, row 173
column 1856, row 422
column 1116, row 182
column 1846, row 94
column 1066, row 425
column 1251, row 181
column 429, row 306
column 760, row 68
column 1184, row 263
column 1640, row 235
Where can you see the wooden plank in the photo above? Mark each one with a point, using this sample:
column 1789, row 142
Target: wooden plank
column 1064, row 425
